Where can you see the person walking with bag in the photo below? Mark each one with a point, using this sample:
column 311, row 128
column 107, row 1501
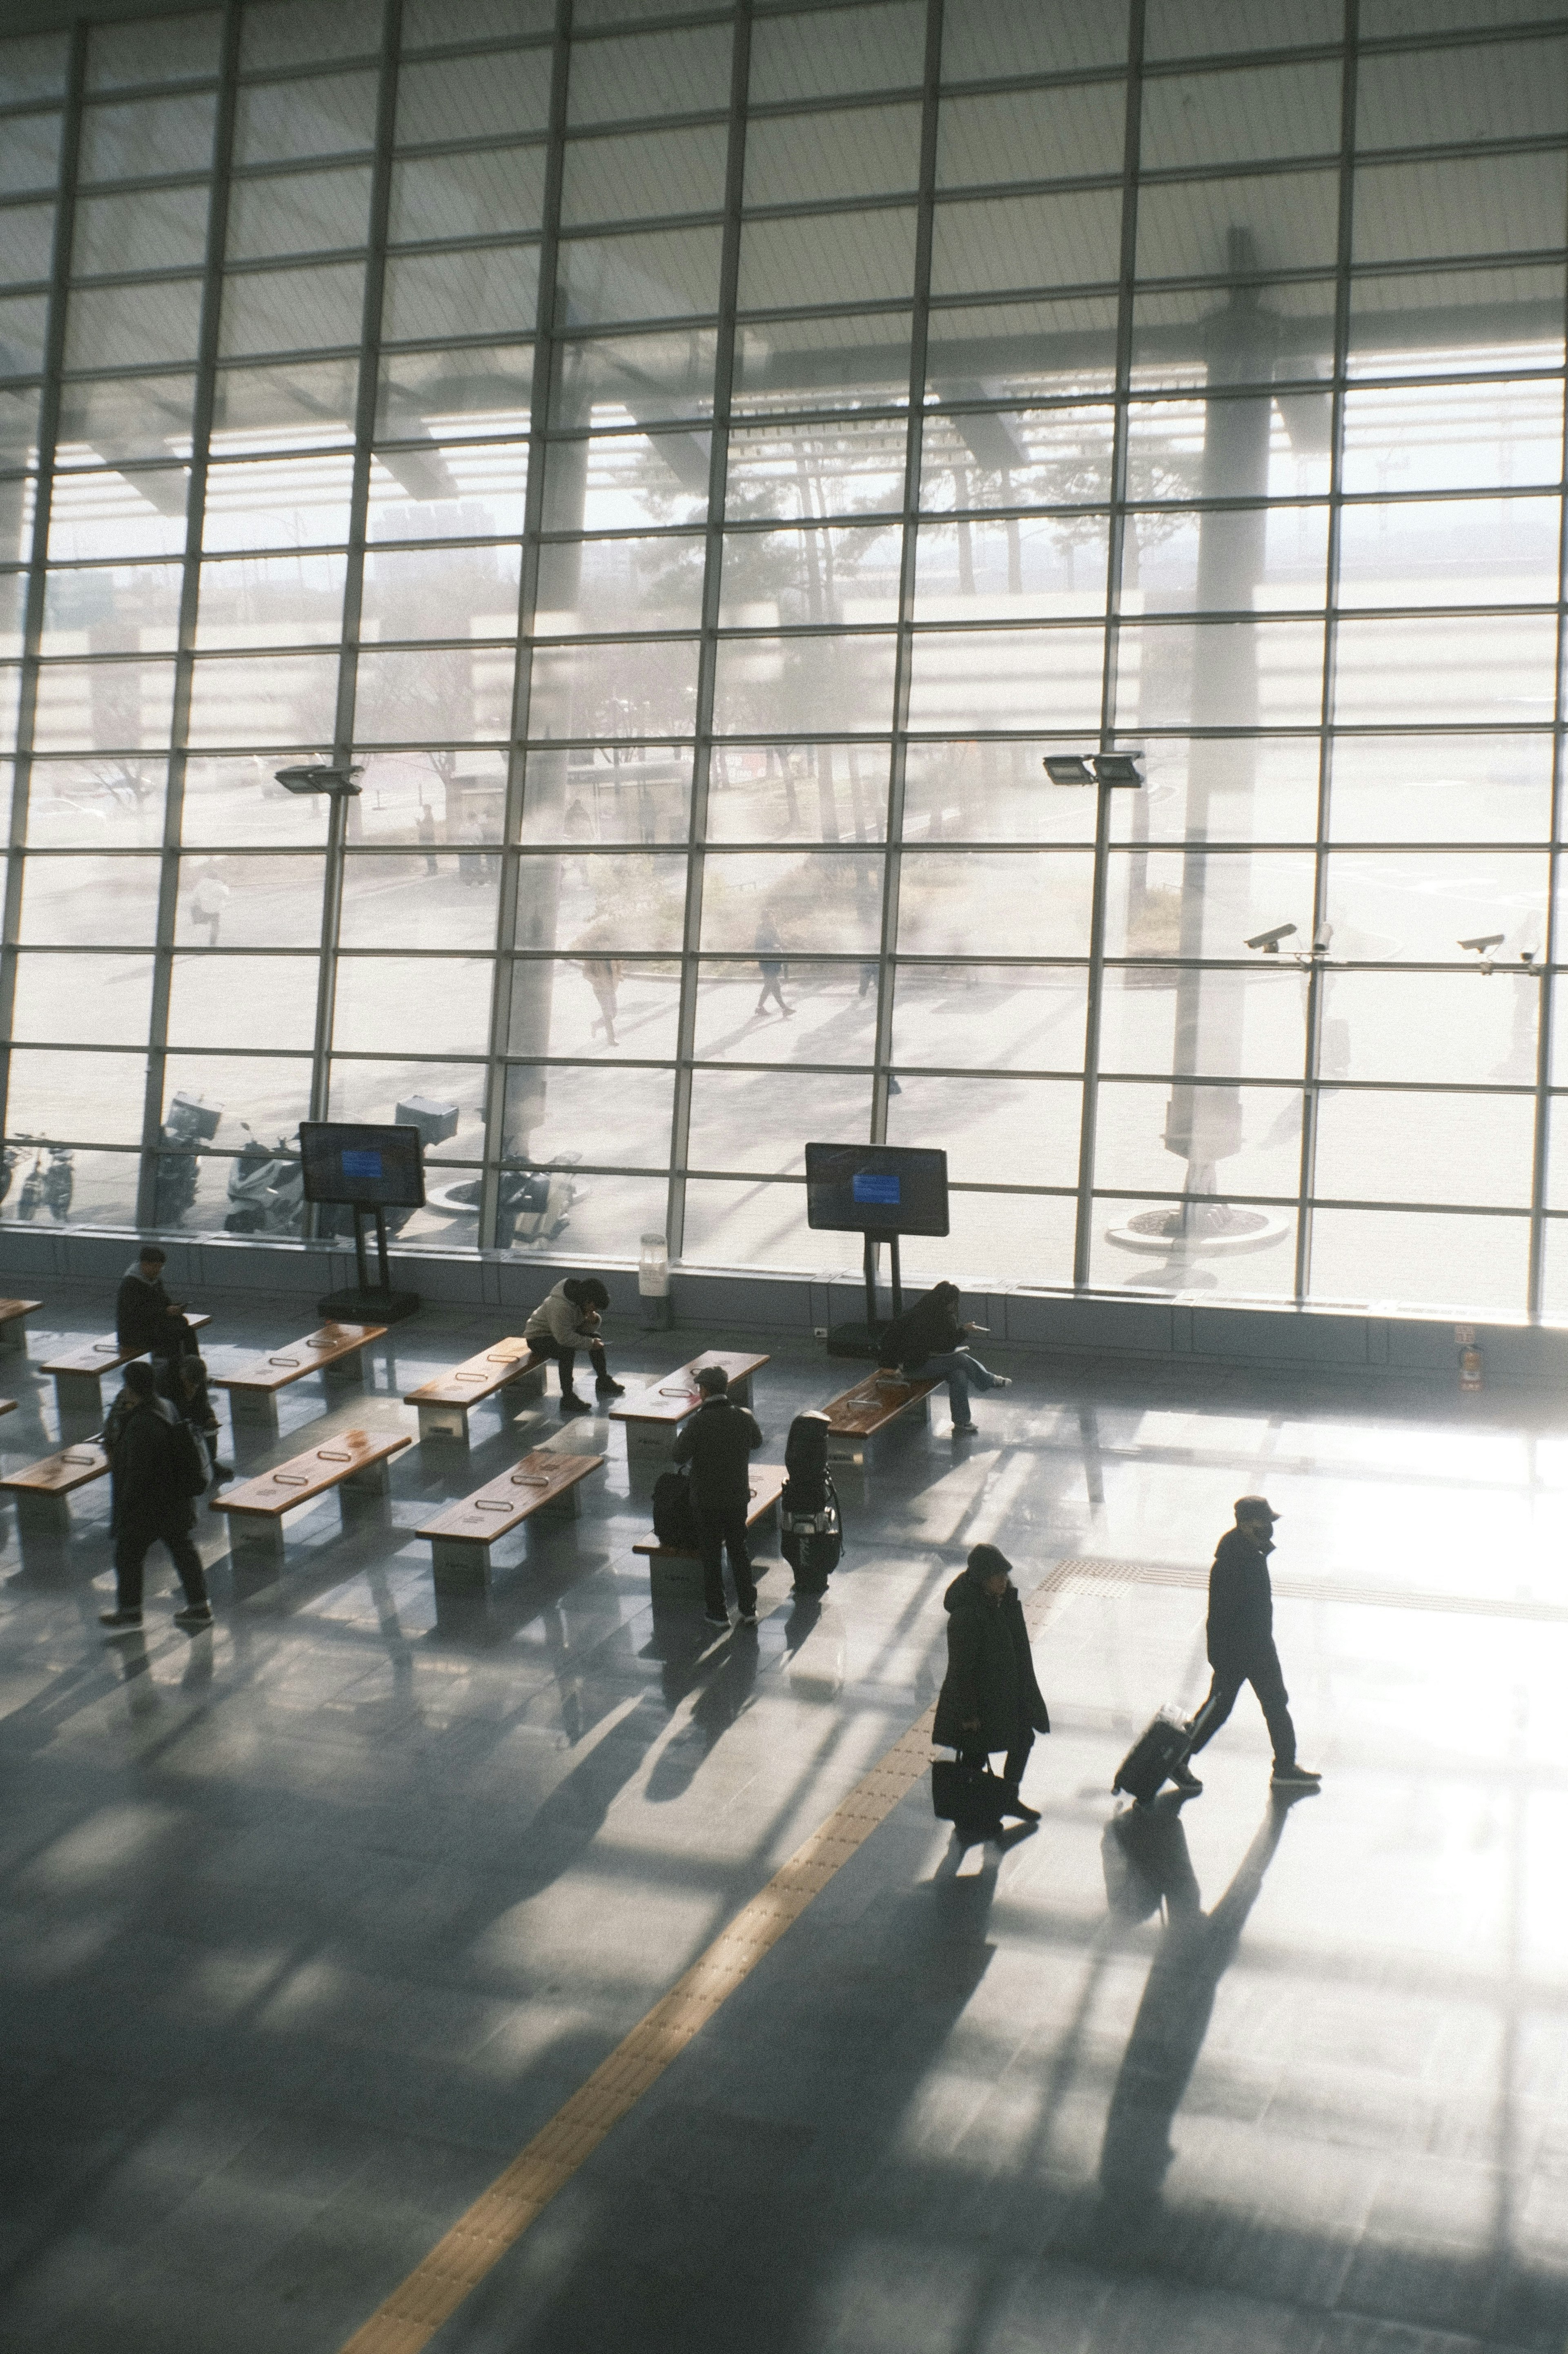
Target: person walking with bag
column 990, row 1698
column 811, row 1525
column 718, row 1442
column 1241, row 1647
column 156, row 1466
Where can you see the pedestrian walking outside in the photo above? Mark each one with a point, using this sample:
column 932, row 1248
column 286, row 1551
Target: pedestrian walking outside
column 718, row 1442
column 427, row 835
column 929, row 1343
column 1241, row 1646
column 567, row 1319
column 156, row 1469
column 991, row 1697
column 770, row 967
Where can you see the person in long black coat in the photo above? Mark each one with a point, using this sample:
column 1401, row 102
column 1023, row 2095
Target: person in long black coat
column 990, row 1698
column 929, row 1343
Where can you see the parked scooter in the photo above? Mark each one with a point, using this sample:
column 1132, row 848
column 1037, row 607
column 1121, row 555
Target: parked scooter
column 534, row 1206
column 6, row 1168
column 60, row 1183
column 267, row 1189
column 191, row 1123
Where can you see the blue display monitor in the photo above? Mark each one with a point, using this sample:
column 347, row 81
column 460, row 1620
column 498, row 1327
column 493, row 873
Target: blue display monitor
column 876, row 1189
column 373, row 1168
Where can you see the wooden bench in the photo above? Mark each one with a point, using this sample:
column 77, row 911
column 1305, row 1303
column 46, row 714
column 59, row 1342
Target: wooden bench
column 253, row 1390
column 12, row 1315
column 543, row 1486
column 653, row 1415
column 78, row 1373
column 444, row 1403
column 42, row 1489
column 857, row 1419
column 677, row 1569
column 353, row 1461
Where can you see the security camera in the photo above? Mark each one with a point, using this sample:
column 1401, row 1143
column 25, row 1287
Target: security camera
column 1269, row 942
column 1482, row 941
column 315, row 779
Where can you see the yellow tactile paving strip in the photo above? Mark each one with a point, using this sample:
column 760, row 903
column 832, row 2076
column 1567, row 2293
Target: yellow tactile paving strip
column 458, row 2262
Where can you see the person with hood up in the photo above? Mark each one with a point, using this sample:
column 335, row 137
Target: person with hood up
column 145, row 1441
column 991, row 1697
column 563, row 1320
column 929, row 1343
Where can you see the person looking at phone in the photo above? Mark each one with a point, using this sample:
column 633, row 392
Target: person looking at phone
column 929, row 1343
column 568, row 1318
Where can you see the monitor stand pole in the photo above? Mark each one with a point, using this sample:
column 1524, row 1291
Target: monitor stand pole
column 367, row 1303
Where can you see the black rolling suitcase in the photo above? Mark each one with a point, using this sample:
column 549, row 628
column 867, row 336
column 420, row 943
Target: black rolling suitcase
column 1158, row 1750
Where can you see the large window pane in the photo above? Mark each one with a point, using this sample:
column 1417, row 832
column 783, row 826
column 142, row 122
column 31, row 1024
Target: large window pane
column 609, row 792
column 280, row 700
column 119, row 608
column 650, row 172
column 271, row 601
column 1452, row 436
column 449, row 395
column 282, row 122
column 89, row 902
column 619, row 584
column 1492, row 669
column 650, row 74
column 434, row 694
column 850, row 576
column 466, row 490
column 473, row 98
column 1008, row 1131
column 864, row 257
column 829, row 902
column 291, row 310
column 832, row 1016
column 659, row 274
column 1441, row 788
column 493, row 290
column 598, row 1004
column 800, row 686
column 415, row 1006
column 70, row 1000
column 484, row 194
column 829, row 56
column 145, row 137
column 153, row 229
column 99, row 804
column 1464, row 1150
column 391, row 901
column 1030, row 1017
column 440, row 592
column 1000, row 242
column 123, row 326
column 303, row 212
column 632, row 688
column 807, row 158
column 79, row 1097
column 249, row 902
column 760, row 1119
column 1032, row 903
column 1364, row 1257
column 982, row 679
column 799, row 792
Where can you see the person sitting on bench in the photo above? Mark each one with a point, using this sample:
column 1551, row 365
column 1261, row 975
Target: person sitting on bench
column 563, row 1320
column 927, row 1343
column 147, row 1322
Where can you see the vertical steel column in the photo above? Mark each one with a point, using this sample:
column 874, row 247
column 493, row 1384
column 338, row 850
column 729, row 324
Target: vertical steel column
column 354, row 584
column 707, row 659
column 1540, row 1158
column 190, row 587
column 903, row 659
column 43, row 496
column 1316, row 977
column 1084, row 1233
column 527, row 598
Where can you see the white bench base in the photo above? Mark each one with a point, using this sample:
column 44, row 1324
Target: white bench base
column 462, row 1565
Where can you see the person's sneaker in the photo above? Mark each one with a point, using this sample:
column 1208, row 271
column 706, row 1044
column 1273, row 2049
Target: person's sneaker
column 1296, row 1778
column 716, row 1617
column 572, row 1404
column 121, row 1622
column 965, row 1429
column 1186, row 1781
column 1002, row 1380
column 196, row 1616
column 748, row 1617
column 1013, row 1805
column 606, row 1387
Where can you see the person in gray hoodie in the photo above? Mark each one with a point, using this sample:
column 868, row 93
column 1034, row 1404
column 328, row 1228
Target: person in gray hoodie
column 564, row 1320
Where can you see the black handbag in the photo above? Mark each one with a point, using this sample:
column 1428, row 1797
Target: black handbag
column 969, row 1795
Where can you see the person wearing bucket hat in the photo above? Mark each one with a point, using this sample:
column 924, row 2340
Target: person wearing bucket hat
column 1241, row 1645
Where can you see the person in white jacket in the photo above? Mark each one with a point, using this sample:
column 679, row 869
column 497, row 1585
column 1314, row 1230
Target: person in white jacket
column 567, row 1319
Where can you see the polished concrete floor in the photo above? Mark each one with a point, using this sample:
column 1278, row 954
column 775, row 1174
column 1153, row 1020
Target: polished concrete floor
column 308, row 1925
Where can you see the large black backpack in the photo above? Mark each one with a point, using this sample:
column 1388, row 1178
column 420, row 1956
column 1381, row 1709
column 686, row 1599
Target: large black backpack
column 674, row 1515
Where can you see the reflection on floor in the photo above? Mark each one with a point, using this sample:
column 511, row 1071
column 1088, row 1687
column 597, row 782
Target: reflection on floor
column 308, row 1925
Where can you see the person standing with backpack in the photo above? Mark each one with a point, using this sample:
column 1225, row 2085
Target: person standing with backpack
column 718, row 1442
column 811, row 1525
column 157, row 1466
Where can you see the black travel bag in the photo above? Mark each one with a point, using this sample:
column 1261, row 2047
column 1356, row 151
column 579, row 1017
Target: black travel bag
column 812, row 1543
column 1157, row 1752
column 674, row 1515
column 967, row 1797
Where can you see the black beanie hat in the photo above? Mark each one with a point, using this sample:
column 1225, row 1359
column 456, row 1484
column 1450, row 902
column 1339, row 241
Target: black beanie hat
column 989, row 1561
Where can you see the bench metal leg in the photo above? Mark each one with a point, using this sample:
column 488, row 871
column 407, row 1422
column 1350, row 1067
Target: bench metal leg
column 41, row 1515
column 443, row 1422
column 650, row 1442
column 255, row 1545
column 458, row 1565
column 79, row 1394
column 253, row 1414
column 375, row 1480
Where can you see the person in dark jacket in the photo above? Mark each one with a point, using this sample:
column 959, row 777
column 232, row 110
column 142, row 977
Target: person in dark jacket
column 150, row 1503
column 1241, row 1645
column 929, row 1343
column 991, row 1697
column 183, row 1382
column 718, row 1442
column 810, row 1524
column 146, row 1320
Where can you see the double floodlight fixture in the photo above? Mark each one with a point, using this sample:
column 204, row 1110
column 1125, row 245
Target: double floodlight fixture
column 1093, row 768
column 318, row 780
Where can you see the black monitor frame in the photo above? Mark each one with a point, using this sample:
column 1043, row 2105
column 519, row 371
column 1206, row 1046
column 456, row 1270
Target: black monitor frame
column 919, row 1173
column 325, row 1142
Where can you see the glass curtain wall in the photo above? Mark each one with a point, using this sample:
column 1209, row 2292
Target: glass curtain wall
column 700, row 466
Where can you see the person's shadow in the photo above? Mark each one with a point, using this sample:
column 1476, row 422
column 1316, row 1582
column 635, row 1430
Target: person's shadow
column 1147, row 1867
